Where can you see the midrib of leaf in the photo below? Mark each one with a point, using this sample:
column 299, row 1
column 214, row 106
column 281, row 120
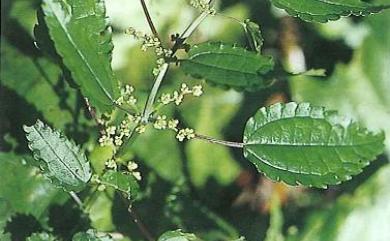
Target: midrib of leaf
column 281, row 168
column 84, row 60
column 52, row 149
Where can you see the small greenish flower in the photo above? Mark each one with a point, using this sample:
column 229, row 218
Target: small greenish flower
column 160, row 123
column 186, row 133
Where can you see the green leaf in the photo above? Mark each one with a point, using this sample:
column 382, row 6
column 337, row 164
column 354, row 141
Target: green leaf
column 91, row 235
column 304, row 144
column 228, row 65
column 5, row 236
column 61, row 160
column 82, row 38
column 177, row 235
column 32, row 78
column 323, row 11
column 41, row 237
column 121, row 181
column 359, row 89
column 254, row 35
column 23, row 190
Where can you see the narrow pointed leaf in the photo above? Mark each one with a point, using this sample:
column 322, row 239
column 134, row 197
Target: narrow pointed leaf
column 61, row 160
column 82, row 38
column 123, row 182
column 323, row 11
column 228, row 65
column 304, row 144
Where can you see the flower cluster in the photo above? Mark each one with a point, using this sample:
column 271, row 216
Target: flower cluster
column 185, row 133
column 203, row 6
column 115, row 135
column 178, row 96
column 149, row 41
column 132, row 166
column 161, row 123
column 126, row 96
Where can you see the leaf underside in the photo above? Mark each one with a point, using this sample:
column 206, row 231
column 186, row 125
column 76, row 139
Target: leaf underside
column 82, row 37
column 228, row 66
column 326, row 10
column 304, row 144
column 123, row 182
column 61, row 160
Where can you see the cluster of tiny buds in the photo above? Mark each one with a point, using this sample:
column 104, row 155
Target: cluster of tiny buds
column 115, row 135
column 178, row 96
column 161, row 123
column 149, row 41
column 203, row 6
column 132, row 166
column 186, row 133
column 126, row 96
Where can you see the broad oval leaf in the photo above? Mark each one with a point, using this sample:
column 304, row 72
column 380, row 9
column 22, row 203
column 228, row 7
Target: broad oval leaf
column 41, row 237
column 323, row 11
column 304, row 144
column 228, row 65
column 82, row 37
column 61, row 160
column 121, row 181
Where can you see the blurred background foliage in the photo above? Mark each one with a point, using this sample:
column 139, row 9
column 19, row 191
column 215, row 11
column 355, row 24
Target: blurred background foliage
column 206, row 189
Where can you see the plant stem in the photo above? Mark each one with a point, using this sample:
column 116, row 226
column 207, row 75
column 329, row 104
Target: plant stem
column 149, row 19
column 188, row 31
column 220, row 142
column 77, row 200
column 152, row 96
column 140, row 225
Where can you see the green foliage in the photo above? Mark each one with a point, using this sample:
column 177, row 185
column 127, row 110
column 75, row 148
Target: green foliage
column 361, row 216
column 61, row 160
column 323, row 11
column 304, row 144
column 228, row 65
column 41, row 237
column 34, row 193
column 91, row 235
column 123, row 182
column 255, row 37
column 177, row 235
column 82, row 38
column 39, row 78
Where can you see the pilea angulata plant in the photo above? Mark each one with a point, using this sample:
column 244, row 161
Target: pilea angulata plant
column 294, row 143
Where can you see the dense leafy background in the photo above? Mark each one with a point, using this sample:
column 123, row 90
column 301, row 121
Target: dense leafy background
column 208, row 190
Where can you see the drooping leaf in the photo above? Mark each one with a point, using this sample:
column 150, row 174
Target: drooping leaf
column 32, row 78
column 82, row 38
column 323, row 11
column 23, row 190
column 101, row 213
column 304, row 144
column 41, row 237
column 91, row 235
column 228, row 65
column 121, row 181
column 61, row 160
column 254, row 35
column 177, row 235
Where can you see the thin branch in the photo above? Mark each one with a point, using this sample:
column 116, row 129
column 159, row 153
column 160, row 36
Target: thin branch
column 77, row 199
column 149, row 19
column 139, row 224
column 220, row 142
column 152, row 96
